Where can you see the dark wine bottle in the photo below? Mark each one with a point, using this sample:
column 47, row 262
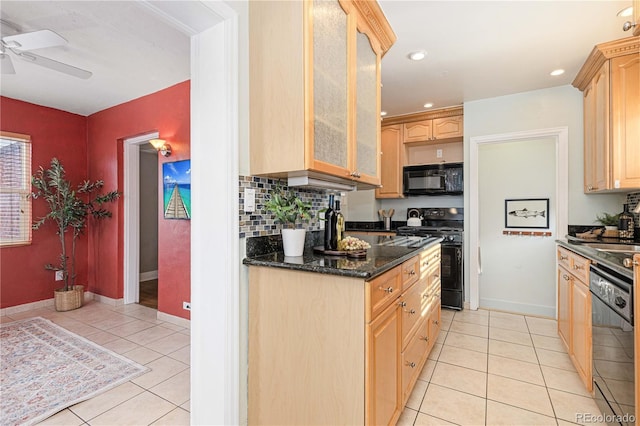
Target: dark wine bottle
column 339, row 223
column 626, row 224
column 330, row 237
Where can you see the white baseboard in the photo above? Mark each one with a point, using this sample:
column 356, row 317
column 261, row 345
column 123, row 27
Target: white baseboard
column 182, row 322
column 11, row 310
column 149, row 275
column 518, row 308
column 103, row 299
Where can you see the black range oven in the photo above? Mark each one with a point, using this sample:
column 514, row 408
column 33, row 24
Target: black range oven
column 447, row 223
column 613, row 345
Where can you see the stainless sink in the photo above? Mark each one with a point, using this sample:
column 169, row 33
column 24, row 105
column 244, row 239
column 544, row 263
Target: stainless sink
column 615, row 248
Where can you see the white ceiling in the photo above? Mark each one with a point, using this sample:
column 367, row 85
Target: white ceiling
column 475, row 50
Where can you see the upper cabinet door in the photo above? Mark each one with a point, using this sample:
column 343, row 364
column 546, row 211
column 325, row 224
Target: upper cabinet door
column 449, row 127
column 330, row 92
column 418, row 131
column 367, row 148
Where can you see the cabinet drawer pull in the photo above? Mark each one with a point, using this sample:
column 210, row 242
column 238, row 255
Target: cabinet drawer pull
column 411, row 364
column 578, row 267
column 411, row 311
column 411, row 272
column 565, row 277
column 436, row 322
column 425, row 338
column 402, row 304
column 426, row 263
column 426, row 296
column 386, row 290
column 563, row 257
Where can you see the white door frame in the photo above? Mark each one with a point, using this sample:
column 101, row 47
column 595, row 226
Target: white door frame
column 131, row 195
column 561, row 137
column 215, row 259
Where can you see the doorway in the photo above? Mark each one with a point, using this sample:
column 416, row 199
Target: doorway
column 132, row 212
column 148, row 290
column 479, row 248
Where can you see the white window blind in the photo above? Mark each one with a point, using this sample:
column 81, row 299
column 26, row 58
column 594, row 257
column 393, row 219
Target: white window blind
column 15, row 186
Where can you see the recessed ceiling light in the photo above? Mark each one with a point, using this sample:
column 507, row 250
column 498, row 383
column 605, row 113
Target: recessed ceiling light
column 557, row 72
column 428, row 105
column 417, row 56
column 383, row 113
column 627, row 11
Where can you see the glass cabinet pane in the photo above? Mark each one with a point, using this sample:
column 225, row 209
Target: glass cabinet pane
column 367, row 114
column 330, row 82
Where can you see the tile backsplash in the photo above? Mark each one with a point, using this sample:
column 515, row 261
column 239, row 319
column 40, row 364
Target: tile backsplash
column 633, row 200
column 260, row 222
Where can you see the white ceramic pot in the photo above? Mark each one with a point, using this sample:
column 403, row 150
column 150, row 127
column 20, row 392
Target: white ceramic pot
column 293, row 241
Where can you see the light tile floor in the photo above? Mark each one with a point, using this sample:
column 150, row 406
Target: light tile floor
column 159, row 397
column 495, row 368
column 487, row 368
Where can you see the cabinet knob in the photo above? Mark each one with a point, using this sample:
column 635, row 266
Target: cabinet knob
column 411, row 364
column 425, row 263
column 436, row 322
column 578, row 267
column 425, row 338
column 563, row 257
column 412, row 272
column 402, row 304
column 565, row 277
column 386, row 290
column 628, row 25
column 355, row 174
column 411, row 311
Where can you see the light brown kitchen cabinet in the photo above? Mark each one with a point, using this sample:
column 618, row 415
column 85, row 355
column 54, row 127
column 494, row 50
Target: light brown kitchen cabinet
column 383, row 376
column 574, row 311
column 610, row 82
column 315, row 97
column 636, row 32
column 328, row 349
column 391, row 163
column 434, row 129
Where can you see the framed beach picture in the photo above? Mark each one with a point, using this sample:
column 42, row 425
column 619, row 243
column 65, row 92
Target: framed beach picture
column 176, row 189
column 526, row 213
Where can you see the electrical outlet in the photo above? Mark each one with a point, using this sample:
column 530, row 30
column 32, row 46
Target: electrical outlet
column 186, row 306
column 249, row 200
column 59, row 275
column 438, row 153
column 321, row 219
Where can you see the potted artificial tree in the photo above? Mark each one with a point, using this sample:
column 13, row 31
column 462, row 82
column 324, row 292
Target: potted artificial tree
column 287, row 208
column 69, row 209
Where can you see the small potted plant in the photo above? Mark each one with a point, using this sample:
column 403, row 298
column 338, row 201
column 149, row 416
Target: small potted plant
column 288, row 208
column 69, row 209
column 610, row 223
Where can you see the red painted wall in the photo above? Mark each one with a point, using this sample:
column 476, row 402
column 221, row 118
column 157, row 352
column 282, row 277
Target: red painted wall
column 54, row 133
column 167, row 112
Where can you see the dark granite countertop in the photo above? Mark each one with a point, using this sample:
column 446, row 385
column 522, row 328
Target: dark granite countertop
column 379, row 259
column 611, row 260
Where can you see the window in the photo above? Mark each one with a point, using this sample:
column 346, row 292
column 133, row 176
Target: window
column 15, row 186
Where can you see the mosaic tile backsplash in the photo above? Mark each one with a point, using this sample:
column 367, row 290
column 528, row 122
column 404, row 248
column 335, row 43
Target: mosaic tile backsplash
column 260, row 222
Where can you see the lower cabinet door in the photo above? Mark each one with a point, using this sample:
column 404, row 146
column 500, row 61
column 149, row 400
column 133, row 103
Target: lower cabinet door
column 414, row 357
column 581, row 337
column 564, row 306
column 383, row 405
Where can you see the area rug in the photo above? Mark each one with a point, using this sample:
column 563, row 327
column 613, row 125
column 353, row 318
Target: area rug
column 45, row 368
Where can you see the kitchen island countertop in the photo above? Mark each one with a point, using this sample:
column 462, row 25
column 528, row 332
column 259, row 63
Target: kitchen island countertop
column 380, row 258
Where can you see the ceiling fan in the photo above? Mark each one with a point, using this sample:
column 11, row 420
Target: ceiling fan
column 20, row 45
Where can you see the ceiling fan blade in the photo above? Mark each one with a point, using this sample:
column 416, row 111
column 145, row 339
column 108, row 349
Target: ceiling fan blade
column 34, row 40
column 54, row 65
column 6, row 66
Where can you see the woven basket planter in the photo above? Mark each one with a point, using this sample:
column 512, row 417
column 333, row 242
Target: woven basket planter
column 68, row 300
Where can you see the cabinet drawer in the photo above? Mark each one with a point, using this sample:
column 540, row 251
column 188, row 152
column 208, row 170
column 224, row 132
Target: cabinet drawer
column 580, row 267
column 381, row 291
column 410, row 272
column 414, row 305
column 563, row 256
column 414, row 357
column 429, row 260
column 434, row 321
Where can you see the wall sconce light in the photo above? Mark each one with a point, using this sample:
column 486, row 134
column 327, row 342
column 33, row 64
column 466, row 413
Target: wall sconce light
column 161, row 146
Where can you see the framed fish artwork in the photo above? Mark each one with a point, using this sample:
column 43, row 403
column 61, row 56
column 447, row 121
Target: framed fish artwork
column 526, row 213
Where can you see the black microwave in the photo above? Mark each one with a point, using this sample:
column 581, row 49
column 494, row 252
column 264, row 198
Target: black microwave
column 433, row 179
